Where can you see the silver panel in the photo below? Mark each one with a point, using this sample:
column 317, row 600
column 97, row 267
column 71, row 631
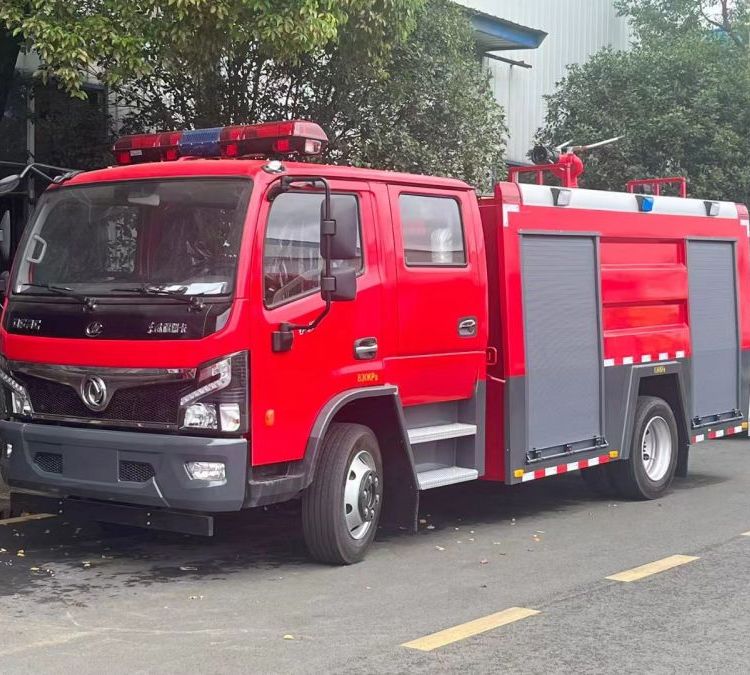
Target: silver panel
column 563, row 344
column 713, row 327
column 445, row 476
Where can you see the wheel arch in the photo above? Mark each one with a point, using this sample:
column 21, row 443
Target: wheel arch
column 378, row 408
column 668, row 382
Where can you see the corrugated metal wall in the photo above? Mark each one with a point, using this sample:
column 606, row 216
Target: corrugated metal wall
column 576, row 29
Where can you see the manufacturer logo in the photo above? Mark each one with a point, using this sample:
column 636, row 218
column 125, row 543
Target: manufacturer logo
column 94, row 329
column 27, row 324
column 94, row 392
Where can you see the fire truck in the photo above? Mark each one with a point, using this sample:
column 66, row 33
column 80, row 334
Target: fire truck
column 215, row 324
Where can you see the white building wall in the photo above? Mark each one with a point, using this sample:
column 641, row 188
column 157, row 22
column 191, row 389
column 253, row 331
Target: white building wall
column 576, row 29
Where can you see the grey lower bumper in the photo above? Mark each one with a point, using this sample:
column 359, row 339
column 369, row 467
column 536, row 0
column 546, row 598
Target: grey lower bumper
column 89, row 466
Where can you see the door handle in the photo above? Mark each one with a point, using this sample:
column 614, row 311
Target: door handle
column 365, row 349
column 467, row 327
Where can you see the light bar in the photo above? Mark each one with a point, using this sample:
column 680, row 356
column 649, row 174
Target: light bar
column 291, row 137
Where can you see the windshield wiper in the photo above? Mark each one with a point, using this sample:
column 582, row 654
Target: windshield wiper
column 195, row 300
column 67, row 292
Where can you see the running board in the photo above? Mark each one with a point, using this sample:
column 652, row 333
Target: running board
column 441, row 432
column 445, row 476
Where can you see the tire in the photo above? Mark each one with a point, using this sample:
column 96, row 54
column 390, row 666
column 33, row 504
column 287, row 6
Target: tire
column 598, row 479
column 648, row 472
column 342, row 506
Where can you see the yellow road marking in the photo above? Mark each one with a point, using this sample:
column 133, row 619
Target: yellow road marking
column 652, row 568
column 24, row 519
column 469, row 629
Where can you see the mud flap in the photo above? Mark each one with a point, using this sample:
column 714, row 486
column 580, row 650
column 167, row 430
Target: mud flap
column 682, row 461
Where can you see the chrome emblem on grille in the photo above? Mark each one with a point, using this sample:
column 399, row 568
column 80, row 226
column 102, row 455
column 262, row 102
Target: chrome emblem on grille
column 94, row 329
column 94, row 392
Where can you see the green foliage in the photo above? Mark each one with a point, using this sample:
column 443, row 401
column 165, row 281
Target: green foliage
column 681, row 96
column 116, row 40
column 420, row 103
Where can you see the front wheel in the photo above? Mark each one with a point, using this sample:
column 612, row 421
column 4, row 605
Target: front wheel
column 649, row 470
column 341, row 508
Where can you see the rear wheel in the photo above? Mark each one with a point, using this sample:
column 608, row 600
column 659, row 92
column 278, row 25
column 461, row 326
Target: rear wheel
column 649, row 470
column 341, row 508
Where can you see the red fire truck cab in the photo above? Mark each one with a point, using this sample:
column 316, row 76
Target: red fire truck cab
column 194, row 332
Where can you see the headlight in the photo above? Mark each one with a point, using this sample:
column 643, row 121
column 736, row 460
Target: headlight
column 219, row 401
column 20, row 401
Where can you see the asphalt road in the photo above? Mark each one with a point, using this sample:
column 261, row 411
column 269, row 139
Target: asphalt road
column 77, row 601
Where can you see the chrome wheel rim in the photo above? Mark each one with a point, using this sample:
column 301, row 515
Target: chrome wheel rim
column 361, row 494
column 656, row 448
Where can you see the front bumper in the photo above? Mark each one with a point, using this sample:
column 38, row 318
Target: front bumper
column 88, row 463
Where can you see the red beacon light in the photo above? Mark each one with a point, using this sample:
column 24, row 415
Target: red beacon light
column 141, row 148
column 292, row 137
column 273, row 138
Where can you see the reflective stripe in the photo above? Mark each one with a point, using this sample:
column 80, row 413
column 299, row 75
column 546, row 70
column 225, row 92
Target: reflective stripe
column 719, row 433
column 564, row 468
column 643, row 358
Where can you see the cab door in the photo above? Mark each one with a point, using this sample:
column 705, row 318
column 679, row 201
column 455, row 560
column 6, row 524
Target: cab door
column 290, row 389
column 440, row 298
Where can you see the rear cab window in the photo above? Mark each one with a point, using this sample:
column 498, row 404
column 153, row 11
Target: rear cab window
column 432, row 231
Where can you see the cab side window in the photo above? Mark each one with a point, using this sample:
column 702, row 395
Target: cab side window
column 432, row 231
column 291, row 253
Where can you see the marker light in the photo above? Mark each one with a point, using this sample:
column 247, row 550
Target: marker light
column 712, row 208
column 645, row 203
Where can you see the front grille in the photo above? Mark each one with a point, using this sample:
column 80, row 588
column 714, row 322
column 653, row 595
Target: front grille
column 148, row 404
column 136, row 472
column 50, row 462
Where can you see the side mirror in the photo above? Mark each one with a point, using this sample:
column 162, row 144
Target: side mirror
column 5, row 235
column 9, row 183
column 341, row 228
column 340, row 285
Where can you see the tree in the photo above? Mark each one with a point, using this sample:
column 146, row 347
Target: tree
column 114, row 40
column 387, row 96
column 681, row 97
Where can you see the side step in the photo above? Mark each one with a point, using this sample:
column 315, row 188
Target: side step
column 445, row 476
column 437, row 455
column 441, row 432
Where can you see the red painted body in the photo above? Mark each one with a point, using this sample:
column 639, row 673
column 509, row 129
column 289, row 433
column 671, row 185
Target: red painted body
column 644, row 285
column 413, row 312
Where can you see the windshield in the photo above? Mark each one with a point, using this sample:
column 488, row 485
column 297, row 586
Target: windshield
column 172, row 236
